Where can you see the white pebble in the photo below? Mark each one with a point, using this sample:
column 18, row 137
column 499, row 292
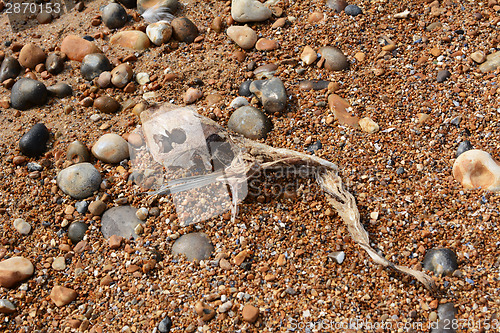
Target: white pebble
column 22, row 226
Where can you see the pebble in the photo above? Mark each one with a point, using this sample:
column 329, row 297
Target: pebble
column 132, row 39
column 244, row 89
column 115, row 242
column 93, row 65
column 77, row 152
column 159, row 33
column 205, row 311
column 120, row 221
column 97, row 207
column 265, row 44
column 59, row 264
column 114, row 16
column 195, row 246
column 168, row 5
column 249, row 11
column 6, row 306
column 265, row 71
column 184, row 30
column 110, row 148
column 22, row 226
column 44, row 17
column 165, row 325
column 31, row 55
column 353, row 10
column 279, row 23
column 271, row 93
column 34, row 142
column 79, row 181
column 142, row 78
column 81, row 207
column 477, row 169
column 492, row 62
column 336, row 5
column 128, row 3
column 192, row 95
column 76, row 231
column 463, row 147
column 27, row 93
column 9, row 69
column 342, row 111
column 333, row 59
column 245, row 37
column 308, row 55
column 15, row 270
column 121, row 75
column 440, row 261
column 250, row 122
column 478, row 57
column 443, row 75
column 103, row 80
column 446, row 313
column 76, row 48
column 142, row 213
column 225, row 307
column 238, row 102
column 368, row 125
column 250, row 313
column 106, row 104
column 338, row 256
column 313, row 85
column 60, row 90
column 62, row 296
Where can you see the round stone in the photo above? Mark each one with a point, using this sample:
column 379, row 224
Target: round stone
column 165, row 325
column 77, row 152
column 336, row 5
column 192, row 95
column 76, row 48
column 244, row 36
column 62, row 296
column 271, row 93
column 443, row 75
column 81, row 207
column 114, row 16
column 111, row 148
column 249, row 11
column 106, row 104
column 34, row 142
column 170, row 6
column 184, row 30
column 441, row 261
column 9, row 69
column 334, row 59
column 250, row 313
column 477, row 169
column 132, row 39
column 60, row 90
column 31, row 55
column 79, row 181
column 104, row 80
column 22, row 226
column 250, row 122
column 463, row 147
column 121, row 75
column 44, row 17
column 59, row 264
column 27, row 93
column 244, row 89
column 159, row 33
column 120, row 221
column 142, row 213
column 93, row 65
column 353, row 10
column 15, row 270
column 97, row 207
column 195, row 246
column 54, row 63
column 76, row 231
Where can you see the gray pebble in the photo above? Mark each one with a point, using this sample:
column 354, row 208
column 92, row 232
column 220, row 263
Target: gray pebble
column 463, row 147
column 250, row 122
column 81, row 207
column 120, row 221
column 244, row 89
column 9, row 69
column 114, row 16
column 353, row 10
column 334, row 58
column 195, row 246
column 76, row 231
column 443, row 75
column 110, row 148
column 441, row 261
column 93, row 65
column 60, row 90
column 34, row 142
column 79, row 181
column 27, row 93
column 238, row 102
column 272, row 94
column 77, row 152
column 54, row 63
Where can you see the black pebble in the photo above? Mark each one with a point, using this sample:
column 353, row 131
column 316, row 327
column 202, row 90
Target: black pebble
column 128, row 3
column 34, row 142
column 90, row 39
column 76, row 231
column 245, row 89
column 463, row 147
column 352, row 10
column 60, row 90
column 443, row 75
column 7, row 43
column 93, row 65
column 54, row 63
column 114, row 16
column 165, row 325
column 10, row 69
column 27, row 93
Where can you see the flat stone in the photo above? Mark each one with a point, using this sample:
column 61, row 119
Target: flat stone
column 27, row 93
column 195, row 246
column 271, row 93
column 250, row 122
column 492, row 62
column 313, row 85
column 62, row 296
column 79, row 181
column 34, row 142
column 121, row 75
column 244, row 89
column 76, row 48
column 103, row 80
column 249, row 11
column 132, row 39
column 9, row 69
column 31, row 55
column 110, row 148
column 93, row 65
column 205, row 311
column 245, row 37
column 463, row 147
column 443, row 75
column 170, row 6
column 55, row 62
column 336, row 5
column 60, row 90
column 97, row 207
column 368, row 125
column 250, row 313
column 342, row 111
column 120, row 221
column 477, row 169
column 478, row 57
column 353, row 10
column 59, row 264
column 6, row 306
column 192, row 95
column 441, row 261
column 238, row 102
column 446, row 313
column 106, row 104
column 266, row 44
column 308, row 55
column 15, row 270
column 115, row 242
